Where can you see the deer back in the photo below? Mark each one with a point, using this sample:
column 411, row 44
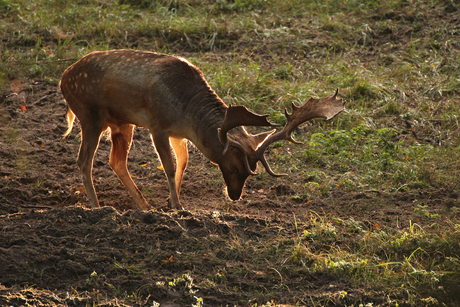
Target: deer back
column 151, row 90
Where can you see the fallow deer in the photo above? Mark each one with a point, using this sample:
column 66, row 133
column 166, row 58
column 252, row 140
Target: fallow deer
column 121, row 89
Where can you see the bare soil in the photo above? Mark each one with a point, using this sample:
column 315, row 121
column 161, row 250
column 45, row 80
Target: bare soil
column 55, row 251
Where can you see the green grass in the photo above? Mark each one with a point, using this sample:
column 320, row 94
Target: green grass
column 397, row 63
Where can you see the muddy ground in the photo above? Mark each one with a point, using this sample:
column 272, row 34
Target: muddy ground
column 56, row 251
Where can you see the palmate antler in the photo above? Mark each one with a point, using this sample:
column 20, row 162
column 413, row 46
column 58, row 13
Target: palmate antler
column 240, row 116
column 314, row 108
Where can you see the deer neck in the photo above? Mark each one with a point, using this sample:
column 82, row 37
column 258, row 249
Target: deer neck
column 207, row 116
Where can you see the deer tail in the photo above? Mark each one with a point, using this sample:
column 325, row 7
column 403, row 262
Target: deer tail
column 70, row 119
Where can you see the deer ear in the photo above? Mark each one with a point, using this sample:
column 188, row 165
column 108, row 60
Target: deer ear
column 240, row 116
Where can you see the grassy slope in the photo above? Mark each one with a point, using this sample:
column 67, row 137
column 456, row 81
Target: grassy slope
column 395, row 62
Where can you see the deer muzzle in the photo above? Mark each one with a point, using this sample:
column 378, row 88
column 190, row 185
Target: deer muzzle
column 234, row 194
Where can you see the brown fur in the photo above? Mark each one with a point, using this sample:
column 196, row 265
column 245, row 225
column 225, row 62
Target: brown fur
column 121, row 89
column 169, row 96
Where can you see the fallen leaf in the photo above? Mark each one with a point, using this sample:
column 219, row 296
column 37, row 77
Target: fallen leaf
column 168, row 260
column 17, row 85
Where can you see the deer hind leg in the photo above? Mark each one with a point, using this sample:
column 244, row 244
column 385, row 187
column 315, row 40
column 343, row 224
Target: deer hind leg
column 181, row 151
column 90, row 134
column 163, row 148
column 122, row 137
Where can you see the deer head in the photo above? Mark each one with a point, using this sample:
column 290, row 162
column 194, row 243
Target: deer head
column 242, row 150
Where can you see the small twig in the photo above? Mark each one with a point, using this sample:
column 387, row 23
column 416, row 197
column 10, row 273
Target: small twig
column 8, row 215
column 43, row 98
column 278, row 274
column 36, row 206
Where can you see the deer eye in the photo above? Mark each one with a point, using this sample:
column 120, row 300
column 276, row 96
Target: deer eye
column 233, row 169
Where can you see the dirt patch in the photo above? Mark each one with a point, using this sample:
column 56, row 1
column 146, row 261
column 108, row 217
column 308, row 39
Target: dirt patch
column 54, row 251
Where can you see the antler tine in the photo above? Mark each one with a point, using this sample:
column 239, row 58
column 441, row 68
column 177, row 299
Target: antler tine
column 240, row 116
column 288, row 117
column 314, row 108
column 245, row 154
column 336, row 92
column 268, row 168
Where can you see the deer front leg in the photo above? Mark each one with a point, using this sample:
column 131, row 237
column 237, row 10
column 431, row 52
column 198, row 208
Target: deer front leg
column 89, row 143
column 163, row 148
column 181, row 151
column 122, row 137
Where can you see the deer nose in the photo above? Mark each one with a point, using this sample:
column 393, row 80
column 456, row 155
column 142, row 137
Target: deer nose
column 234, row 195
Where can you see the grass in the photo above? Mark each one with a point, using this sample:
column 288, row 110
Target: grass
column 397, row 63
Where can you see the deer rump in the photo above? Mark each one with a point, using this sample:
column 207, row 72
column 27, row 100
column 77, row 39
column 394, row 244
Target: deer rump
column 169, row 96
